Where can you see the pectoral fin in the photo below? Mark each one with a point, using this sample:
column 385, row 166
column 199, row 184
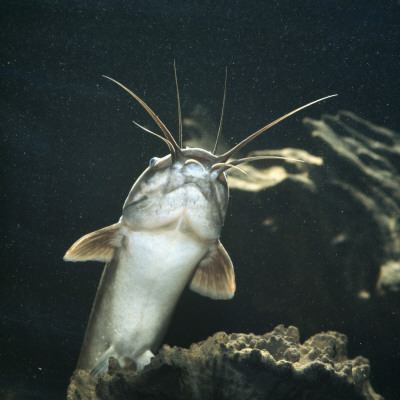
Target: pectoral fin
column 214, row 276
column 96, row 246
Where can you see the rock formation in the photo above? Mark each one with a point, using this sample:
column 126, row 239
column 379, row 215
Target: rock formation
column 239, row 366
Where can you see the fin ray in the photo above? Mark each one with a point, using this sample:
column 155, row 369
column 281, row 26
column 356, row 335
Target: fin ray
column 102, row 364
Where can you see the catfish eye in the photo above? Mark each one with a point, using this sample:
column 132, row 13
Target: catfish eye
column 153, row 161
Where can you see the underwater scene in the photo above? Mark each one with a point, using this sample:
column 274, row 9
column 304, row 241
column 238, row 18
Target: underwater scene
column 200, row 200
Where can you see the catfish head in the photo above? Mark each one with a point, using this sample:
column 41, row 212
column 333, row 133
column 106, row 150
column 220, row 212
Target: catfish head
column 191, row 176
column 186, row 191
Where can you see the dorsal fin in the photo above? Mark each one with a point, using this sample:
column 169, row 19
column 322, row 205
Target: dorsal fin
column 214, row 276
column 96, row 246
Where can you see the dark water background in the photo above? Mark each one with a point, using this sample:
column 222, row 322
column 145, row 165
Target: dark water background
column 70, row 152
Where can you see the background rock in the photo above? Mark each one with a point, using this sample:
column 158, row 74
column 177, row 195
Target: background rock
column 331, row 228
column 358, row 174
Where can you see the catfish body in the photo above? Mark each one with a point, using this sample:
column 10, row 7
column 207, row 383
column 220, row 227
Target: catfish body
column 170, row 225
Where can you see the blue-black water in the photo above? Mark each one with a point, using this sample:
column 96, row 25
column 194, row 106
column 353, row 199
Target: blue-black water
column 70, row 151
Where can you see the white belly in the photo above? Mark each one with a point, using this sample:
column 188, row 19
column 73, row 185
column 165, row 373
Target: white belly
column 152, row 272
column 137, row 295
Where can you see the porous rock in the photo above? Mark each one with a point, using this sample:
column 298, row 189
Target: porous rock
column 239, row 366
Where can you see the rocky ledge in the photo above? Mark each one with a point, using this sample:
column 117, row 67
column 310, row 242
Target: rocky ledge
column 239, row 366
